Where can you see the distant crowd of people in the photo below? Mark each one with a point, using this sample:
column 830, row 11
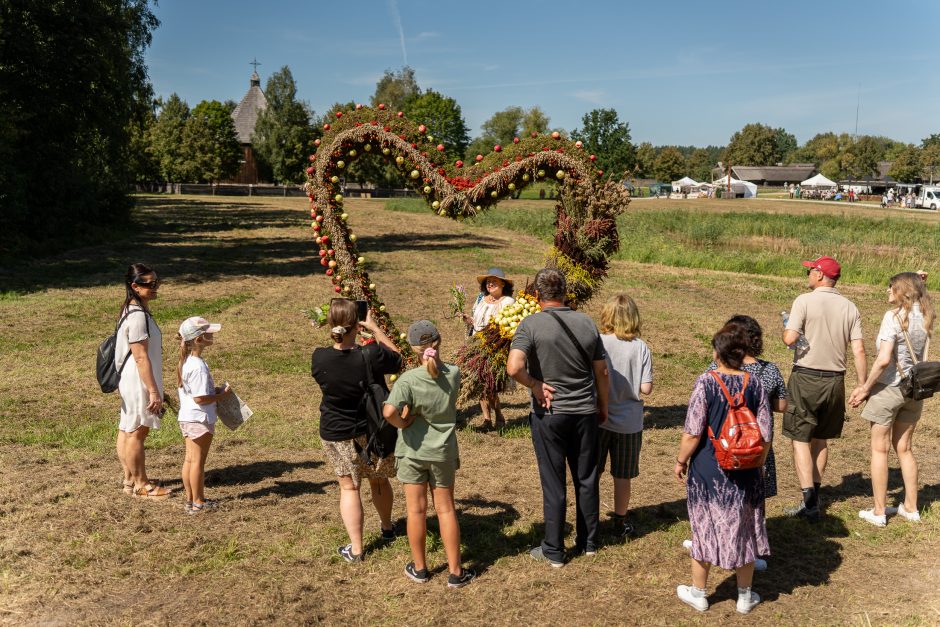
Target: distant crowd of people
column 890, row 198
column 586, row 386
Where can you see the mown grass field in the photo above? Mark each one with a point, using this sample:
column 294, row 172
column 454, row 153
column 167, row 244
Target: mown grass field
column 73, row 549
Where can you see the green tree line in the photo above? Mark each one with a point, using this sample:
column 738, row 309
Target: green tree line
column 73, row 89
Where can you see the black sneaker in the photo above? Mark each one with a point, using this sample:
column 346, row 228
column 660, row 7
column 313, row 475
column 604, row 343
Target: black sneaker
column 459, row 581
column 417, row 576
column 627, row 530
column 810, row 514
column 389, row 534
column 586, row 551
column 346, row 553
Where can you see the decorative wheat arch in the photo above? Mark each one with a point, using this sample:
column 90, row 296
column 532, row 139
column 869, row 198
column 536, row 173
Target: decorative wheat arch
column 586, row 231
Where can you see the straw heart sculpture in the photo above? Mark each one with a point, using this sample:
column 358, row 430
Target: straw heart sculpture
column 586, row 230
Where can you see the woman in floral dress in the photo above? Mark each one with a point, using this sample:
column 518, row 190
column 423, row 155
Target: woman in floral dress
column 726, row 507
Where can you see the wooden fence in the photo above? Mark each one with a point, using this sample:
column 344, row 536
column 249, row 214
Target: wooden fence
column 232, row 189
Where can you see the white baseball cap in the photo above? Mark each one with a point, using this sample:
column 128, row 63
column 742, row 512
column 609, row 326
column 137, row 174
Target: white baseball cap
column 197, row 326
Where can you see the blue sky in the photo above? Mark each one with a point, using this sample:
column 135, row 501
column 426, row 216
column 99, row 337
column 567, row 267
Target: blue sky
column 677, row 72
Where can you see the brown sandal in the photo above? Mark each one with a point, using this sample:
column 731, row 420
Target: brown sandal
column 128, row 487
column 152, row 491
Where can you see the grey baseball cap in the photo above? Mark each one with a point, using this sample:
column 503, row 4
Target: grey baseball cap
column 422, row 332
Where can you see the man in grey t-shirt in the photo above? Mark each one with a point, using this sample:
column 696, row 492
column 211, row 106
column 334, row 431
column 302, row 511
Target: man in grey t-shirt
column 558, row 354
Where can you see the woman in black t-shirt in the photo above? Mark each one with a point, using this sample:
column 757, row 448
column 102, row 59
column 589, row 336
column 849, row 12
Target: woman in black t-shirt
column 340, row 371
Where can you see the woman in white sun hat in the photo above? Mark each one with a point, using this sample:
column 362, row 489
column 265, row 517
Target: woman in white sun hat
column 495, row 294
column 198, row 412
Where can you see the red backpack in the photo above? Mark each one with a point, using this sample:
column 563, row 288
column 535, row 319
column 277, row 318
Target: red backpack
column 740, row 445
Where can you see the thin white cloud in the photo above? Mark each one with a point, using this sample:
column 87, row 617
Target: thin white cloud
column 422, row 36
column 396, row 17
column 594, row 96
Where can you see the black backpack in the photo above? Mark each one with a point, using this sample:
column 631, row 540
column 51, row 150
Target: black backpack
column 109, row 377
column 381, row 436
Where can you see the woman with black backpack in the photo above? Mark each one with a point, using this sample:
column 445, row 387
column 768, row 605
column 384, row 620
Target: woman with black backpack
column 725, row 501
column 340, row 371
column 138, row 357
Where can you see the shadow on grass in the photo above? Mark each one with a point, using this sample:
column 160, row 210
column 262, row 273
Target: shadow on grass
column 178, row 236
column 243, row 474
column 857, row 484
column 803, row 554
column 393, row 241
column 175, row 237
column 927, row 496
column 289, row 489
column 647, row 519
column 665, row 417
column 485, row 531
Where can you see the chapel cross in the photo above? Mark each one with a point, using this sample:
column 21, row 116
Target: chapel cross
column 256, row 64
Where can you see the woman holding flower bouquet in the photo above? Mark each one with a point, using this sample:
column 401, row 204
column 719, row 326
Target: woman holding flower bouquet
column 495, row 294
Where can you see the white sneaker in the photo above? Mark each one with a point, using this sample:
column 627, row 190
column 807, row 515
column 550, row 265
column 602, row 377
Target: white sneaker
column 759, row 564
column 685, row 595
column 746, row 604
column 687, row 545
column 903, row 513
column 869, row 515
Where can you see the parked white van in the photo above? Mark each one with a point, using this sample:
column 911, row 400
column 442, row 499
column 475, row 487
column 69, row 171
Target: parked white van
column 928, row 197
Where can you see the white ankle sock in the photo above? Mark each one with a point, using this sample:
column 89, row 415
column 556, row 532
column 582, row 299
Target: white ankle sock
column 744, row 593
column 698, row 593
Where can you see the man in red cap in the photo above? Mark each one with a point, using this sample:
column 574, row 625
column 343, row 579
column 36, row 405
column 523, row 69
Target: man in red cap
column 829, row 322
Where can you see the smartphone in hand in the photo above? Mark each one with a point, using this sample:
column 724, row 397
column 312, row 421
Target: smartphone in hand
column 362, row 310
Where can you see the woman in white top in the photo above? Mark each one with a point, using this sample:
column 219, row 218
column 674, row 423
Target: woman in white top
column 495, row 293
column 904, row 328
column 138, row 356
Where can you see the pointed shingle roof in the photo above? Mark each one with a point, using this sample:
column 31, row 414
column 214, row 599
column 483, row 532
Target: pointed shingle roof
column 246, row 113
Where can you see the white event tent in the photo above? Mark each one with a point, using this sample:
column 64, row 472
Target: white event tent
column 684, row 181
column 819, row 182
column 749, row 189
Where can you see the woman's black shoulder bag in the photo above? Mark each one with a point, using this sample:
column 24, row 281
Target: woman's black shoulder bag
column 923, row 379
column 381, row 436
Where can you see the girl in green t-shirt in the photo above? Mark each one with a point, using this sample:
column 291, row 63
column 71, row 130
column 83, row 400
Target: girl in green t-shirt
column 423, row 405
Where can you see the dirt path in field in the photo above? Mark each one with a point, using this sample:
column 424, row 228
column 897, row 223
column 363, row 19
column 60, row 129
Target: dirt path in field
column 73, row 549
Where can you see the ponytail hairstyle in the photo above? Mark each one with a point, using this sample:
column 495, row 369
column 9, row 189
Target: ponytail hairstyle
column 134, row 273
column 909, row 288
column 186, row 349
column 429, row 354
column 342, row 318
